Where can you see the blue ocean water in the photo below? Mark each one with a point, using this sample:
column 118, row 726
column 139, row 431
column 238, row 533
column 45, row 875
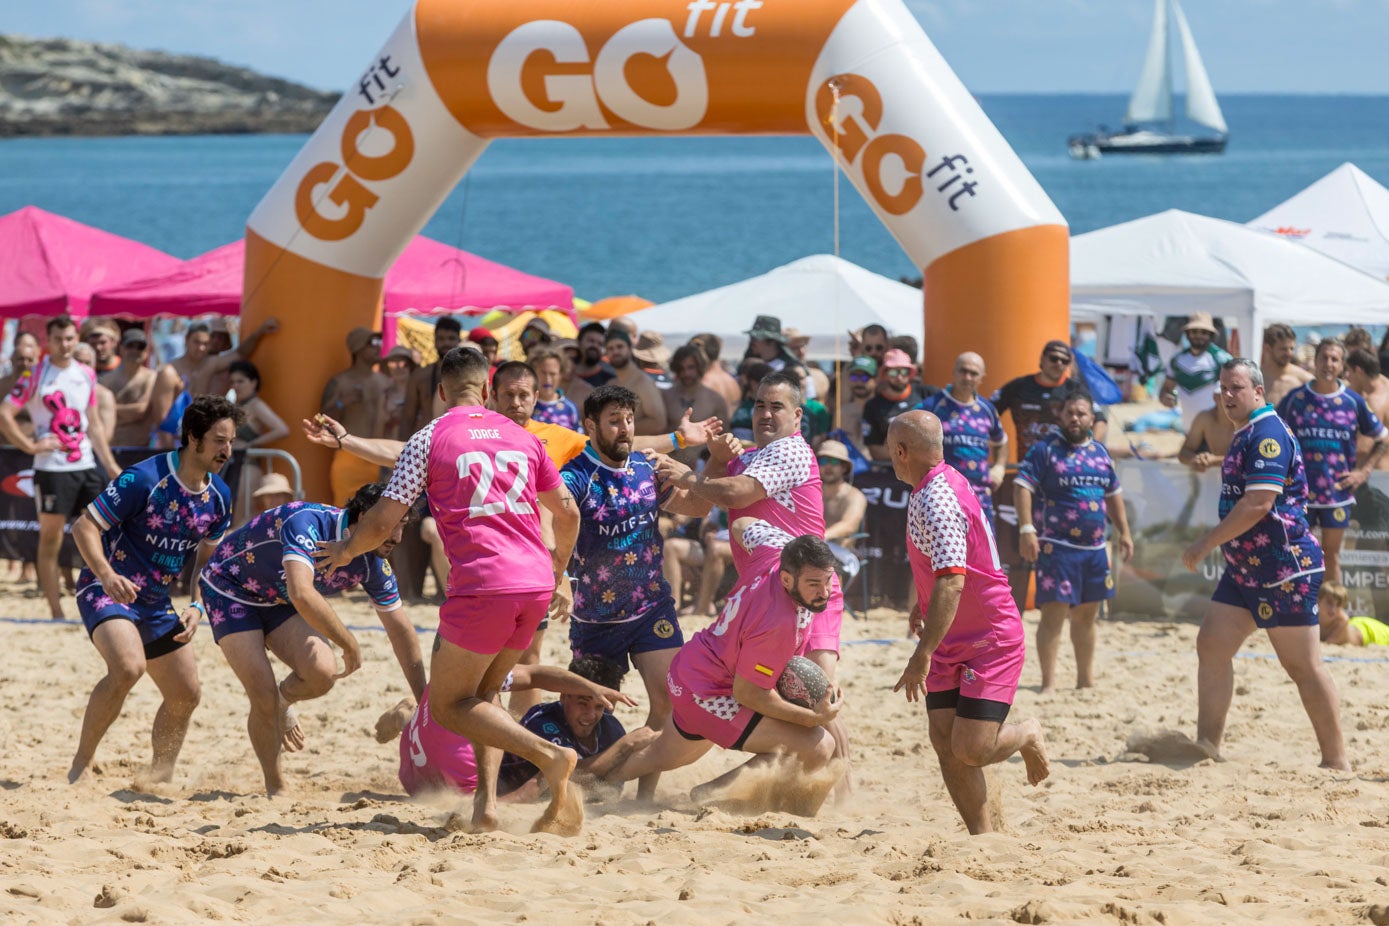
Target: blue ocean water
column 666, row 217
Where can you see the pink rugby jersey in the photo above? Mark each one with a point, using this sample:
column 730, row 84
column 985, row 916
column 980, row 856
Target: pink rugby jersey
column 795, row 501
column 482, row 475
column 757, row 633
column 948, row 535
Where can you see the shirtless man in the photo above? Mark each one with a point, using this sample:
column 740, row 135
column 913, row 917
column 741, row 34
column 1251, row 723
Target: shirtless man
column 1364, row 376
column 716, row 377
column 844, row 504
column 179, row 380
column 1281, row 372
column 1208, row 440
column 133, row 383
column 357, row 398
column 422, row 402
column 689, row 395
column 651, row 407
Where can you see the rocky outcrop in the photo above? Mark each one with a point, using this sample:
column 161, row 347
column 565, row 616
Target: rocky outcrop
column 68, row 87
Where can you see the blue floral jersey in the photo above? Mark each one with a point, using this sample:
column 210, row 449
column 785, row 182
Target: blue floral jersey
column 152, row 523
column 1280, row 549
column 249, row 564
column 1070, row 483
column 562, row 412
column 1326, row 427
column 971, row 431
column 618, row 557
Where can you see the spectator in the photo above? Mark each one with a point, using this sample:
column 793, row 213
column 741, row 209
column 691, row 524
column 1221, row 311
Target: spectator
column 767, row 343
column 397, row 366
column 862, row 375
column 651, row 408
column 716, row 377
column 684, row 550
column 535, row 334
column 260, row 426
column 798, row 344
column 132, row 383
column 845, row 505
column 23, row 358
column 105, row 399
column 871, row 342
column 975, row 442
column 1363, row 374
column 192, row 374
column 1192, row 374
column 59, row 394
column 750, row 375
column 273, row 491
column 1340, row 629
column 907, row 345
column 717, row 557
column 653, row 357
column 1208, row 439
column 1279, row 363
column 356, row 397
column 592, row 368
column 486, row 343
column 688, row 393
column 815, row 418
column 422, row 402
column 898, row 392
column 1358, row 338
column 552, row 406
column 103, row 334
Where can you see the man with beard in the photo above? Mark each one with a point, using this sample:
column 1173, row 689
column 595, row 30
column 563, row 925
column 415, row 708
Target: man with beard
column 897, row 392
column 263, row 593
column 591, row 367
column 623, row 608
column 422, row 402
column 135, row 538
column 102, row 334
column 862, row 375
column 1073, row 477
column 975, row 442
column 970, row 653
column 1327, row 418
column 1193, row 373
column 1273, row 569
column 651, row 408
column 1279, row 366
column 723, row 684
column 689, row 396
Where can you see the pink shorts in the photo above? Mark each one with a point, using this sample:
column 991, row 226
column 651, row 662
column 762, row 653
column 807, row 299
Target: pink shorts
column 989, row 673
column 488, row 625
column 722, row 720
column 824, row 627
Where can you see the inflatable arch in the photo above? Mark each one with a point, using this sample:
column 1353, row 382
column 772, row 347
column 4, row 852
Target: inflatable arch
column 860, row 75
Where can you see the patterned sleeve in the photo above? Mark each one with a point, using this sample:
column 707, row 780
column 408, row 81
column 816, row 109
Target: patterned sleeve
column 939, row 528
column 123, row 498
column 1112, row 487
column 300, row 534
column 380, row 584
column 412, row 468
column 1285, row 405
column 1033, row 468
column 782, row 465
column 1369, row 422
column 761, row 534
column 1272, row 448
column 219, row 528
column 575, row 480
column 996, row 433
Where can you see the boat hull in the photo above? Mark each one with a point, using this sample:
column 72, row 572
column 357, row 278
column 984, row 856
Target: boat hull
column 1088, row 147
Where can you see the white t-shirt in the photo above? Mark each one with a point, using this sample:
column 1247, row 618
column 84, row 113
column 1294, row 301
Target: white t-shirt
column 58, row 399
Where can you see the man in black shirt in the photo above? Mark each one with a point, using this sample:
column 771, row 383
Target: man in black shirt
column 592, row 368
column 898, row 392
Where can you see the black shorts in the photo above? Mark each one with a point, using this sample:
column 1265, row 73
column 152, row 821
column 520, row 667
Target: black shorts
column 968, row 708
column 67, row 493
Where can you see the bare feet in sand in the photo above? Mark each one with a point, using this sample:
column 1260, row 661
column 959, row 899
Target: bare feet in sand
column 392, row 723
column 565, row 815
column 1034, row 752
column 291, row 734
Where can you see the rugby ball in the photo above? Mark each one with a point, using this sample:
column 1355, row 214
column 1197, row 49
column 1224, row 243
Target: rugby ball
column 802, row 682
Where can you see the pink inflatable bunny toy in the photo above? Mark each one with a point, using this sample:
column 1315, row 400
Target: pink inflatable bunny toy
column 66, row 426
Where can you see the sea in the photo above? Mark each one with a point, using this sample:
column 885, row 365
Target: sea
column 667, row 217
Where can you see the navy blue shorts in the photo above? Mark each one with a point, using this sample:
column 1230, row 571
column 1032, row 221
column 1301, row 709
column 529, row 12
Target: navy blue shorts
column 1337, row 519
column 615, row 642
column 1292, row 604
column 1073, row 576
column 227, row 615
column 157, row 623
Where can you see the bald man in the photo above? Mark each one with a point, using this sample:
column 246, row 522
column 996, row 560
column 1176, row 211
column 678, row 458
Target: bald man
column 970, row 653
column 975, row 442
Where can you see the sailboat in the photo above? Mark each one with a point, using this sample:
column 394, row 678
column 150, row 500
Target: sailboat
column 1148, row 125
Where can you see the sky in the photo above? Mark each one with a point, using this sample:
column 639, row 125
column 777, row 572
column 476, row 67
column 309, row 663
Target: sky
column 996, row 46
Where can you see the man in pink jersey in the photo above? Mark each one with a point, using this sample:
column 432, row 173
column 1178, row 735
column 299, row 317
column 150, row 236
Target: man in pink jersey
column 969, row 657
column 485, row 478
column 723, row 681
column 777, row 481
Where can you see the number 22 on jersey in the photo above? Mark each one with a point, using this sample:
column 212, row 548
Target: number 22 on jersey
column 489, row 468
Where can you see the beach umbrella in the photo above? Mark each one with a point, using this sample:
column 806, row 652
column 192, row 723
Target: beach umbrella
column 50, row 264
column 614, row 307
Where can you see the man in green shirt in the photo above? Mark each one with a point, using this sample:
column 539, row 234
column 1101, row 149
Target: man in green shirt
column 1193, row 373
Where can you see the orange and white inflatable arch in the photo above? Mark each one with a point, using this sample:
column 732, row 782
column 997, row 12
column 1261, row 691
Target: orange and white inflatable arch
column 860, row 75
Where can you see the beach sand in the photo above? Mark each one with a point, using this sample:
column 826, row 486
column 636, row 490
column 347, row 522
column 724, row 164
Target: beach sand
column 1111, row 837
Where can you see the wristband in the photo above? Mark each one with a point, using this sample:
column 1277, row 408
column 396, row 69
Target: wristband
column 677, row 440
column 1027, row 529
column 199, row 606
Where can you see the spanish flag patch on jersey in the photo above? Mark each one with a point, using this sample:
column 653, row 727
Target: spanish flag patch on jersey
column 763, row 669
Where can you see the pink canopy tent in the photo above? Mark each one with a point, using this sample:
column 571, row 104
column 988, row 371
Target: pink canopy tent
column 50, row 264
column 428, row 278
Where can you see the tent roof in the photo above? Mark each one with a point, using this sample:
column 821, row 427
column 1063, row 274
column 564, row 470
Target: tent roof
column 822, row 295
column 50, row 264
column 428, row 277
column 1175, row 263
column 1344, row 214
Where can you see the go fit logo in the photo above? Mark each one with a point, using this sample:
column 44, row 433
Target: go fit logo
column 860, row 143
column 350, row 193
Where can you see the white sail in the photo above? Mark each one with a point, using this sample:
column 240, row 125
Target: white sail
column 1152, row 98
column 1200, row 98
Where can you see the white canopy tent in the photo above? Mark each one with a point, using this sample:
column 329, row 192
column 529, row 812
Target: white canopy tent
column 1176, row 263
column 1344, row 215
column 822, row 295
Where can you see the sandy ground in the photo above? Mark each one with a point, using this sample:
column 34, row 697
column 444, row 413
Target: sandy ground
column 1112, row 837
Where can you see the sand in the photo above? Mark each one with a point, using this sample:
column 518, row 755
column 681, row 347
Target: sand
column 1112, row 837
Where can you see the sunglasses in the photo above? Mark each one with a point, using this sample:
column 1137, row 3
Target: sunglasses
column 898, row 371
column 860, row 378
column 1056, row 358
column 825, row 461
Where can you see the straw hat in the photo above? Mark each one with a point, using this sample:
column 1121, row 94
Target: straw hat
column 273, row 484
column 834, row 450
column 1200, row 321
column 651, row 348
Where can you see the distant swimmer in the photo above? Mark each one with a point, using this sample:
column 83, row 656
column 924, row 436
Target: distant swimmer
column 1338, row 628
column 262, row 593
column 970, row 655
column 135, row 538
